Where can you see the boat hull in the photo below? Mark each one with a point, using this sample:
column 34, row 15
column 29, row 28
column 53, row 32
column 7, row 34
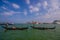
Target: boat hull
column 42, row 28
column 15, row 28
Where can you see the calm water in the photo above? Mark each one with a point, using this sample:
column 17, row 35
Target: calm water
column 31, row 34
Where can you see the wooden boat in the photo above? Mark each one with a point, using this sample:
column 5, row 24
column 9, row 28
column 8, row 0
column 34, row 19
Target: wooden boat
column 15, row 28
column 42, row 28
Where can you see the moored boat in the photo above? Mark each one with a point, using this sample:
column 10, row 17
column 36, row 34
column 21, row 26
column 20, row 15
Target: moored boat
column 42, row 28
column 15, row 28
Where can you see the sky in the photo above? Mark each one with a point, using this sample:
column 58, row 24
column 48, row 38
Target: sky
column 22, row 11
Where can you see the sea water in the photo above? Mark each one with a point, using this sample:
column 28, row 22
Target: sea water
column 31, row 34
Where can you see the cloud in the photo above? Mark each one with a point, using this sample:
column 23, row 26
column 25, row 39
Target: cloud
column 10, row 13
column 53, row 13
column 38, row 4
column 28, row 1
column 33, row 8
column 37, row 14
column 15, row 5
column 54, row 4
column 25, row 12
column 45, row 4
column 3, row 7
column 30, row 8
column 54, row 10
column 5, row 1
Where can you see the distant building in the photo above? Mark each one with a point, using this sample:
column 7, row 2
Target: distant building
column 33, row 22
column 56, row 22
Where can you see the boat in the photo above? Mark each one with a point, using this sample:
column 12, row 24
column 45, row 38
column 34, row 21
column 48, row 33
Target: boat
column 42, row 28
column 6, row 23
column 14, row 28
